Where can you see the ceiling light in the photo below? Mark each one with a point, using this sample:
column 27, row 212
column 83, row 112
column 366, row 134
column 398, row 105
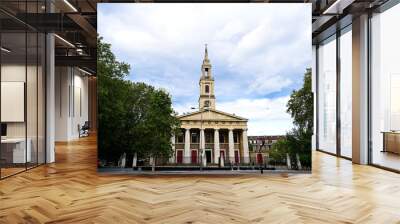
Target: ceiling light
column 64, row 40
column 337, row 7
column 70, row 5
column 5, row 50
column 86, row 72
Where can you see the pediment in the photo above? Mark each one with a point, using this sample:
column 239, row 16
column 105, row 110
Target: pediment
column 211, row 115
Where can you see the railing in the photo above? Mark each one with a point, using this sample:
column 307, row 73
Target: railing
column 196, row 162
column 194, row 145
column 224, row 146
column 209, row 145
column 179, row 145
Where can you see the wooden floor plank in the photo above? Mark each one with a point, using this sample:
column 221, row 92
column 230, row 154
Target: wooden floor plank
column 71, row 191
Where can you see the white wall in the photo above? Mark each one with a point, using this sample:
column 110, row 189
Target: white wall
column 71, row 94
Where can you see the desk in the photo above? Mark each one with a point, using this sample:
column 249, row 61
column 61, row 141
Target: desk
column 13, row 150
column 391, row 142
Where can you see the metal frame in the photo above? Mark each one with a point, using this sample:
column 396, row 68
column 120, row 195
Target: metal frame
column 339, row 32
column 37, row 164
column 338, row 109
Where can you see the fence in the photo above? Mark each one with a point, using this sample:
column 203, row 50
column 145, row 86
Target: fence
column 198, row 162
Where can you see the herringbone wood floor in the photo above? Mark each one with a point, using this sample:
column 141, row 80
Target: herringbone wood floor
column 70, row 191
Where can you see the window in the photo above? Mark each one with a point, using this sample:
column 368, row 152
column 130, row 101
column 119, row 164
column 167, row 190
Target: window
column 327, row 95
column 207, row 88
column 385, row 88
column 346, row 92
column 180, row 137
column 235, row 137
column 195, row 138
column 206, row 71
column 209, row 137
column 221, row 138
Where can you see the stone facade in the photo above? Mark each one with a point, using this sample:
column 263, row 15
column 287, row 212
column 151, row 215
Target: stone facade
column 210, row 136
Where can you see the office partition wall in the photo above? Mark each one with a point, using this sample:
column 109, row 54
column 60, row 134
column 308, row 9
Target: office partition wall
column 22, row 99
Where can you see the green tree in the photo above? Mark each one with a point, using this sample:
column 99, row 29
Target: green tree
column 300, row 105
column 112, row 93
column 133, row 117
column 152, row 122
column 298, row 140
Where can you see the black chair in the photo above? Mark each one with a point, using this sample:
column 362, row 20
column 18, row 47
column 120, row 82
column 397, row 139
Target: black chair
column 84, row 130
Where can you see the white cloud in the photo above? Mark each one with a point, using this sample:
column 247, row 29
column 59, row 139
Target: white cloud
column 256, row 41
column 265, row 86
column 255, row 50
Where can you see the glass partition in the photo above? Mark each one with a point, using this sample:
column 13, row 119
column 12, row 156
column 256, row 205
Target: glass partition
column 327, row 95
column 22, row 77
column 14, row 153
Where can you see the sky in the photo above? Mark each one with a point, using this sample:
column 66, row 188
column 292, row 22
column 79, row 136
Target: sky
column 258, row 54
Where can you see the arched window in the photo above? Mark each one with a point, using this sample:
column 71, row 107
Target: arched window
column 207, row 89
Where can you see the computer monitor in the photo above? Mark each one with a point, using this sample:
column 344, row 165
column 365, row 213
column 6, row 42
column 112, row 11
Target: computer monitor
column 3, row 129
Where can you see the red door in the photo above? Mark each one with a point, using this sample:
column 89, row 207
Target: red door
column 194, row 156
column 259, row 158
column 223, row 155
column 179, row 155
column 236, row 156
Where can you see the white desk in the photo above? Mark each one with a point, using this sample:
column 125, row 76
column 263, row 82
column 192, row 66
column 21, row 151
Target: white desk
column 19, row 154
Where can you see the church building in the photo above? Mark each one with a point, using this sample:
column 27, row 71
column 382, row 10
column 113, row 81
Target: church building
column 216, row 136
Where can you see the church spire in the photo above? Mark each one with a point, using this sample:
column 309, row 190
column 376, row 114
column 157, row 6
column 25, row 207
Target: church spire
column 206, row 54
column 206, row 60
column 207, row 97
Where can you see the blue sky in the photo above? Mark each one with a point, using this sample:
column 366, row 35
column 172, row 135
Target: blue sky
column 259, row 53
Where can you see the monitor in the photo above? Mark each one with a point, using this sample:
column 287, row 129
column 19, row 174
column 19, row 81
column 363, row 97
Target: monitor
column 3, row 129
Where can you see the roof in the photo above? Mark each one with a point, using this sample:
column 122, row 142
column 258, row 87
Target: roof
column 211, row 114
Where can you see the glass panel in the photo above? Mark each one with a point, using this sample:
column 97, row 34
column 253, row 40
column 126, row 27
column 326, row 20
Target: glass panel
column 385, row 84
column 31, row 98
column 346, row 93
column 327, row 95
column 41, row 98
column 13, row 89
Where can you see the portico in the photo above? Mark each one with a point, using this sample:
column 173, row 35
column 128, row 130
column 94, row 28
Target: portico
column 209, row 133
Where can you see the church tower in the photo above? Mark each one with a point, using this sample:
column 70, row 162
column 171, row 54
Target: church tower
column 207, row 97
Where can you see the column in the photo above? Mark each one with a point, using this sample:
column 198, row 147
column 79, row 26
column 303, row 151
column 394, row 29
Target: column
column 216, row 146
column 360, row 90
column 186, row 152
column 202, row 140
column 246, row 155
column 202, row 146
column 172, row 158
column 50, row 93
column 231, row 147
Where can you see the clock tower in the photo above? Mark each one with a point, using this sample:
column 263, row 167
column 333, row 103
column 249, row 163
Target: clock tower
column 207, row 97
